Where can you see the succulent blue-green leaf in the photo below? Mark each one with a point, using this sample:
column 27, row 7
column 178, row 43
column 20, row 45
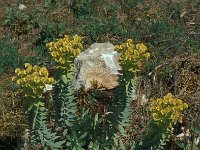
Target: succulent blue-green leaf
column 38, row 104
column 122, row 146
column 68, row 143
column 96, row 118
column 115, row 141
column 196, row 130
column 121, row 129
column 41, row 138
column 83, row 136
column 64, row 78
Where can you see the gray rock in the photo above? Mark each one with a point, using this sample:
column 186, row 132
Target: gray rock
column 97, row 63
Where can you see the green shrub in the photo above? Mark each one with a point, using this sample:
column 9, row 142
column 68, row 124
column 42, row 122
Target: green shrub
column 81, row 8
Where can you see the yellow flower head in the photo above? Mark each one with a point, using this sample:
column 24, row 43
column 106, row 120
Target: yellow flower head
column 167, row 109
column 32, row 79
column 17, row 70
column 132, row 55
column 27, row 65
column 64, row 50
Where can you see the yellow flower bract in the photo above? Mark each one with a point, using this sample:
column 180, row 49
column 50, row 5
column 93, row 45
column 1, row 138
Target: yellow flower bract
column 64, row 50
column 132, row 54
column 167, row 109
column 32, row 79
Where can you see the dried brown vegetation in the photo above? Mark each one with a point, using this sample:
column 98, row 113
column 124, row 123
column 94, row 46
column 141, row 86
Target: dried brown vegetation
column 170, row 28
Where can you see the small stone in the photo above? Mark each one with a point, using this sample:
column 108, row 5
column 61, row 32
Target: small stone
column 22, row 7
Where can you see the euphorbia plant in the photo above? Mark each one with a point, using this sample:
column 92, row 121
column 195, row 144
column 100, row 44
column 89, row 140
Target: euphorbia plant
column 133, row 55
column 76, row 127
column 132, row 58
column 167, row 110
column 64, row 50
column 33, row 80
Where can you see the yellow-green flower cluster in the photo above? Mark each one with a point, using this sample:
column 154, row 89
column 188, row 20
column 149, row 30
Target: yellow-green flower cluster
column 32, row 79
column 64, row 50
column 132, row 54
column 167, row 109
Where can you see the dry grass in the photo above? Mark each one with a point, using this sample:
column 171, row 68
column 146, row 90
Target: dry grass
column 170, row 69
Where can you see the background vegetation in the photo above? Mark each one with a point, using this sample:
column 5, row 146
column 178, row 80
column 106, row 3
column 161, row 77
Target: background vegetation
column 169, row 28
